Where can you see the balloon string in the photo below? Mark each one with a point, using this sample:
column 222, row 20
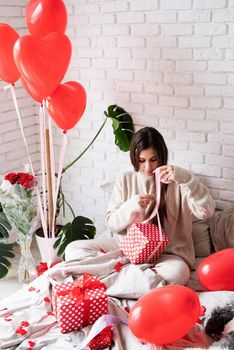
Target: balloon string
column 46, row 172
column 21, row 126
column 52, row 174
column 51, row 251
column 60, row 169
column 11, row 87
column 42, row 151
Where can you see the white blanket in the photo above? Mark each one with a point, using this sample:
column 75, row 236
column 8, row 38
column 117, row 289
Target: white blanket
column 31, row 304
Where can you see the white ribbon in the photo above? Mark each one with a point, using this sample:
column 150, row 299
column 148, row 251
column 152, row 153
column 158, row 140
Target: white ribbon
column 158, row 196
column 98, row 326
column 52, row 175
column 60, row 169
column 42, row 153
column 155, row 212
column 11, row 87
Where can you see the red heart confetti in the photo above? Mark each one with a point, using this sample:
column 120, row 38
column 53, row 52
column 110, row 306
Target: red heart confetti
column 21, row 330
column 31, row 343
column 47, row 300
column 127, row 309
column 5, row 308
column 203, row 310
column 118, row 266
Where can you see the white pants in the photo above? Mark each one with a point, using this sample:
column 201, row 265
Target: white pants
column 170, row 267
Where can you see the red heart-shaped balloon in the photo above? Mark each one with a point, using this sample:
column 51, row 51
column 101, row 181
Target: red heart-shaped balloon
column 8, row 69
column 46, row 16
column 42, row 63
column 67, row 104
column 32, row 94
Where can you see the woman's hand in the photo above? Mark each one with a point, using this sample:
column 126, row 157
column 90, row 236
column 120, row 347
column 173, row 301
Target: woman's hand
column 166, row 173
column 145, row 199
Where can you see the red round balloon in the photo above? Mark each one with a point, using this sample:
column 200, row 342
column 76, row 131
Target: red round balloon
column 8, row 69
column 216, row 271
column 67, row 104
column 164, row 315
column 46, row 16
column 42, row 63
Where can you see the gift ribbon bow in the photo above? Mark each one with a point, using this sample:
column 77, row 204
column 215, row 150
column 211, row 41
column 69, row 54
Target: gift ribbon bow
column 80, row 292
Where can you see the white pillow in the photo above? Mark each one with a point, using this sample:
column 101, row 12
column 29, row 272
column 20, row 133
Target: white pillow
column 201, row 238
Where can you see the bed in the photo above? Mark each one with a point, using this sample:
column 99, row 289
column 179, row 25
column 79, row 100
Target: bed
column 31, row 306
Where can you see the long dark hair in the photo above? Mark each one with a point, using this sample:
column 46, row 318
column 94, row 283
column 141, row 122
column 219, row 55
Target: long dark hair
column 145, row 138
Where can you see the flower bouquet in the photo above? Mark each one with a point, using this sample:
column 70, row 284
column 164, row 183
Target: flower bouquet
column 18, row 202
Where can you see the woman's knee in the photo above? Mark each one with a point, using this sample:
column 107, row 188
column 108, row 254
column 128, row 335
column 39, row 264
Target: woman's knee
column 180, row 276
column 173, row 269
column 73, row 248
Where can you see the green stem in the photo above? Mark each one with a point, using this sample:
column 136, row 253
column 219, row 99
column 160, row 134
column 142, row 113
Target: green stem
column 26, row 276
column 81, row 154
column 72, row 211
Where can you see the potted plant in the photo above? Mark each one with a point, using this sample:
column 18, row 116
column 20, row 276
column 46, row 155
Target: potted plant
column 82, row 227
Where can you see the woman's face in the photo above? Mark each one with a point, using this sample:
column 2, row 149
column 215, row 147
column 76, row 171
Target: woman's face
column 148, row 161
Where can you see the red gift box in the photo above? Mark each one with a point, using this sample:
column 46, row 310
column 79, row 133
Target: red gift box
column 79, row 303
column 103, row 340
column 143, row 243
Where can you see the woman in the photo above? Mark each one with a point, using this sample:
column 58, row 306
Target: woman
column 133, row 198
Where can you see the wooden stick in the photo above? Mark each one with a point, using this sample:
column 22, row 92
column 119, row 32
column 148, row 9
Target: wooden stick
column 49, row 180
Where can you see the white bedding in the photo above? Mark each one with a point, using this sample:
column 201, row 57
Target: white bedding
column 124, row 287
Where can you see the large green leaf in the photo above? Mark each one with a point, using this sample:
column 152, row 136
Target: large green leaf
column 5, row 249
column 4, row 225
column 5, row 265
column 123, row 127
column 80, row 228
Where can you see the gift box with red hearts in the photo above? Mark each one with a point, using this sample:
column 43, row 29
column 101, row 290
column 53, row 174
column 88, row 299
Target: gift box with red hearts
column 79, row 303
column 143, row 243
column 103, row 340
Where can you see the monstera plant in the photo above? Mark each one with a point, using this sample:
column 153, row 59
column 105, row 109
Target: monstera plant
column 123, row 129
column 6, row 250
column 82, row 227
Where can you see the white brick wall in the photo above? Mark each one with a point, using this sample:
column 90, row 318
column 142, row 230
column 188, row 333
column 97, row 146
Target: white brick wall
column 12, row 150
column 169, row 63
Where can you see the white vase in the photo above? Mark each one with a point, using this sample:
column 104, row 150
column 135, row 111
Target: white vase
column 46, row 249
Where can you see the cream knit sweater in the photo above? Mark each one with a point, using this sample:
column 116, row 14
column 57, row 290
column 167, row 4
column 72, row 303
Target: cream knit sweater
column 186, row 196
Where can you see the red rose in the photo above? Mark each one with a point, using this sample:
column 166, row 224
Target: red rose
column 12, row 177
column 26, row 180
